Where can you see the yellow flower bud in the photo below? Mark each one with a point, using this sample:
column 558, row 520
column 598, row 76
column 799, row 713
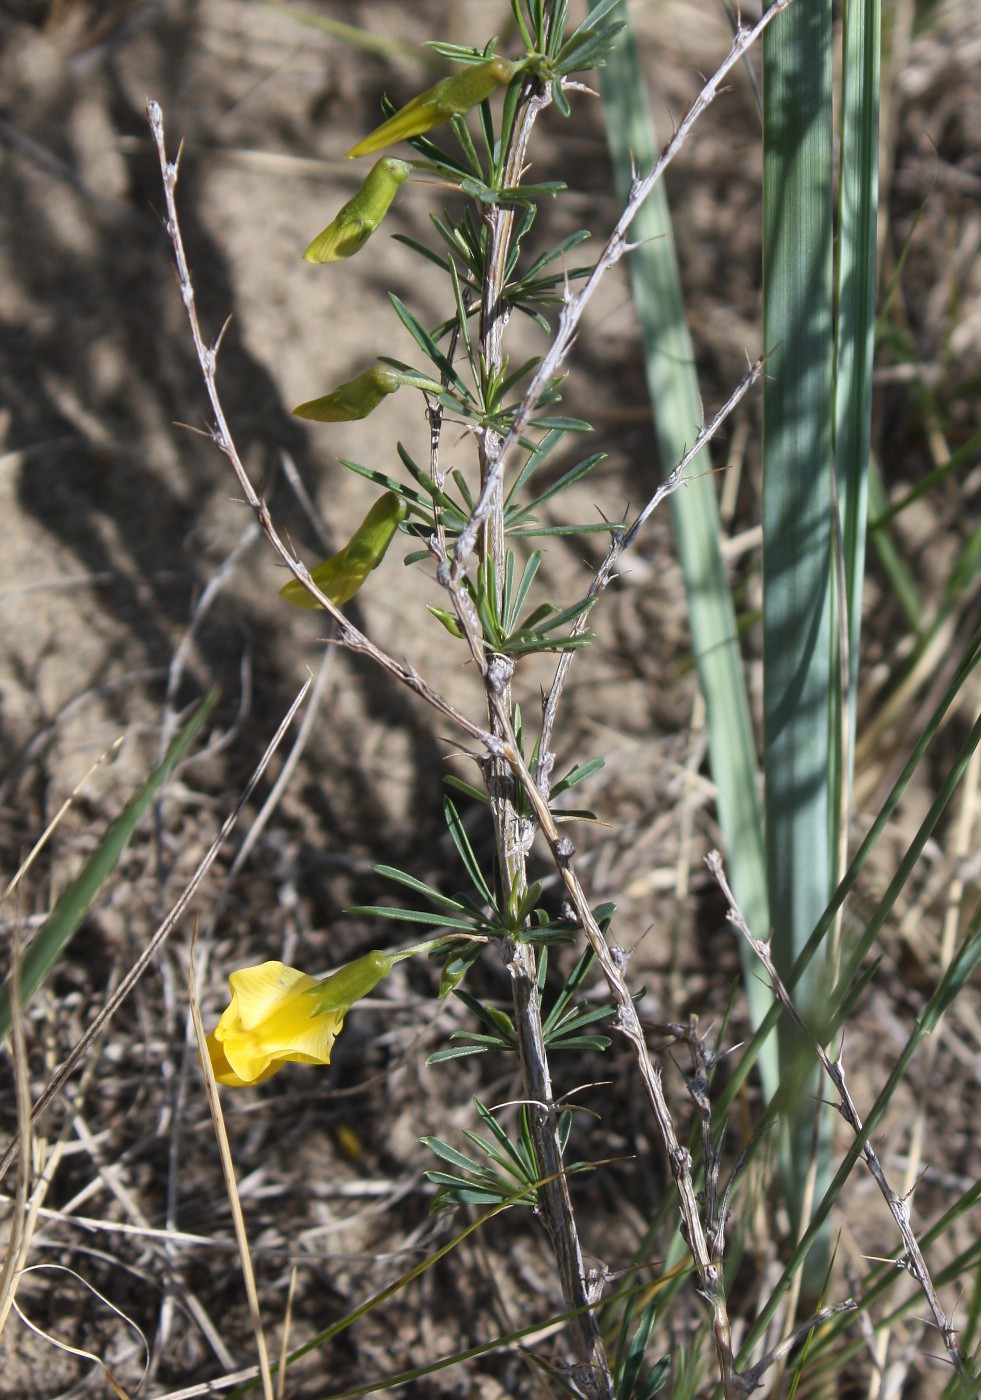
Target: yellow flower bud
column 450, row 97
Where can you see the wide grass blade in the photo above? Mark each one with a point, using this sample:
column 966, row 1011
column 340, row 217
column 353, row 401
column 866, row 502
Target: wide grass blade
column 800, row 722
column 61, row 924
column 673, row 388
column 858, row 205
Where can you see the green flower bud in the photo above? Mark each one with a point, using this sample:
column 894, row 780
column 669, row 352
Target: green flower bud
column 447, row 618
column 343, row 988
column 354, row 399
column 361, row 215
column 340, row 576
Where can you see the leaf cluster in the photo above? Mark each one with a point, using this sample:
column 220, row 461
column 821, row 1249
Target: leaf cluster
column 458, row 381
column 557, row 55
column 509, row 1174
column 563, row 1028
column 486, row 911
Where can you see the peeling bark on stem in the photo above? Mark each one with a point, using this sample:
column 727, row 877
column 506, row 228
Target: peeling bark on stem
column 591, row 1373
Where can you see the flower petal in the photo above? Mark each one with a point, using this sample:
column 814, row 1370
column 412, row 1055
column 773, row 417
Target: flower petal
column 223, row 1071
column 257, row 992
column 273, row 1018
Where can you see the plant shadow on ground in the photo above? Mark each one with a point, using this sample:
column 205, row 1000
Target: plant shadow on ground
column 117, row 521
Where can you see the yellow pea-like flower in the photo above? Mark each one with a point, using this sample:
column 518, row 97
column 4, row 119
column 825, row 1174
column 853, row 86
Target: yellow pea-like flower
column 271, row 1019
column 343, row 573
column 357, row 220
column 450, row 97
column 278, row 1015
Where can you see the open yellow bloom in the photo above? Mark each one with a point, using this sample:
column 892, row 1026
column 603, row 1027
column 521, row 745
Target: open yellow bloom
column 276, row 1015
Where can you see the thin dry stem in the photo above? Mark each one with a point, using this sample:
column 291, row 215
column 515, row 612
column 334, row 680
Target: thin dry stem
column 182, row 653
column 613, row 963
column 348, row 635
column 107, row 757
column 514, row 834
column 899, row 1207
column 619, row 544
column 231, row 1184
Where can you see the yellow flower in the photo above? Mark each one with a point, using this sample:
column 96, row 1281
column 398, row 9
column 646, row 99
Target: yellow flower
column 275, row 1015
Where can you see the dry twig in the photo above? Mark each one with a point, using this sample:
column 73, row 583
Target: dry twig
column 348, row 635
column 899, row 1206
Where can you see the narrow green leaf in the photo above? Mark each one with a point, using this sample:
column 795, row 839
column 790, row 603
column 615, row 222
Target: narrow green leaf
column 578, row 774
column 531, row 568
column 426, row 343
column 468, row 789
column 800, row 711
column 534, row 460
column 446, row 1153
column 400, row 877
column 461, row 841
column 901, row 579
column 568, row 479
column 557, row 253
column 412, row 916
column 858, row 202
column 566, row 425
column 529, row 532
column 62, row 923
column 461, row 1052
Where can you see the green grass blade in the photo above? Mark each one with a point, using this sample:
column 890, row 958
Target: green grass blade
column 360, row 38
column 673, row 388
column 897, row 571
column 799, row 669
column 59, row 927
column 970, row 660
column 858, row 201
column 950, row 985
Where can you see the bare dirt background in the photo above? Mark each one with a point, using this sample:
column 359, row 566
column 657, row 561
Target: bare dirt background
column 115, row 523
